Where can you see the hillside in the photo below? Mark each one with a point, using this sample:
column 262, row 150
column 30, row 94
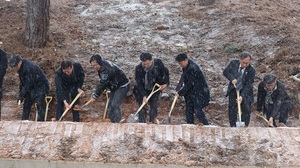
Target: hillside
column 211, row 34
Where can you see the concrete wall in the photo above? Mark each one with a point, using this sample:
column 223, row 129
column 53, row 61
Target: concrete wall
column 147, row 144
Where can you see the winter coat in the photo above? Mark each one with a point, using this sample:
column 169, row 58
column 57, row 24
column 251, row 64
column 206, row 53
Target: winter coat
column 279, row 96
column 3, row 63
column 158, row 74
column 33, row 81
column 111, row 77
column 194, row 84
column 68, row 83
column 231, row 71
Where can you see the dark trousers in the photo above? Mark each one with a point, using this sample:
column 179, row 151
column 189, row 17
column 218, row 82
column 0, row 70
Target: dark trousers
column 233, row 109
column 194, row 106
column 61, row 106
column 116, row 97
column 41, row 107
column 284, row 110
column 153, row 106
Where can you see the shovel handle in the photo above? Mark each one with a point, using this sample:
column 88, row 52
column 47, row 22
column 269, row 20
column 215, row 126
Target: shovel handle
column 261, row 116
column 48, row 99
column 72, row 103
column 149, row 96
column 172, row 106
column 106, row 105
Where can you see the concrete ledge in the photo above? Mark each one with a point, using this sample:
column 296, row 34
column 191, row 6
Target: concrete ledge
column 187, row 145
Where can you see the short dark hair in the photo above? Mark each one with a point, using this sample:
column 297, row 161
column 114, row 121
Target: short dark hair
column 96, row 58
column 145, row 57
column 181, row 57
column 245, row 55
column 14, row 60
column 269, row 78
column 66, row 64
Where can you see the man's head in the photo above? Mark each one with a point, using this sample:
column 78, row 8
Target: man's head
column 96, row 62
column 270, row 81
column 182, row 60
column 15, row 62
column 67, row 67
column 245, row 59
column 146, row 59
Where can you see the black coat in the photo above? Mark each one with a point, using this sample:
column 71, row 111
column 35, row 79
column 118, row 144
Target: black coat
column 33, row 81
column 158, row 74
column 66, row 84
column 194, row 84
column 231, row 71
column 3, row 63
column 111, row 77
column 279, row 96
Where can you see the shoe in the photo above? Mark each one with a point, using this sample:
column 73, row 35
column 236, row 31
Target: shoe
column 281, row 124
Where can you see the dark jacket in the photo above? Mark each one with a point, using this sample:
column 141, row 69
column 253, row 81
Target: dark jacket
column 66, row 84
column 111, row 77
column 231, row 72
column 32, row 80
column 158, row 74
column 279, row 96
column 3, row 63
column 194, row 84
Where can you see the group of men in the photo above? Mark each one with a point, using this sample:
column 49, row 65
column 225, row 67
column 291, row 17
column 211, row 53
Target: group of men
column 272, row 98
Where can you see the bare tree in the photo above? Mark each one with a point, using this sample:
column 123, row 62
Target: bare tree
column 37, row 23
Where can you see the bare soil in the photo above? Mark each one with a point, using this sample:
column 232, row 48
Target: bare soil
column 210, row 33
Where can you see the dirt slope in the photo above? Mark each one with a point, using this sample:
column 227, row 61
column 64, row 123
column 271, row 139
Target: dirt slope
column 120, row 30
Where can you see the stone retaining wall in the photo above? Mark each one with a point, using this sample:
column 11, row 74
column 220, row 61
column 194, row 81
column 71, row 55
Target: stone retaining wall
column 188, row 145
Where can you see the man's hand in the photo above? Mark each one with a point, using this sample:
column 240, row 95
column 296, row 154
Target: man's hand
column 234, row 81
column 80, row 90
column 20, row 101
column 239, row 100
column 162, row 87
column 67, row 105
column 145, row 99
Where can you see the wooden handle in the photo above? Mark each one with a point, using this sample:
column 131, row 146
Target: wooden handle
column 72, row 103
column 152, row 92
column 173, row 104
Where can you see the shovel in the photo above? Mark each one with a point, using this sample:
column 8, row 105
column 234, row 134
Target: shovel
column 170, row 112
column 106, row 105
column 83, row 107
column 48, row 99
column 239, row 123
column 133, row 117
column 261, row 116
column 67, row 109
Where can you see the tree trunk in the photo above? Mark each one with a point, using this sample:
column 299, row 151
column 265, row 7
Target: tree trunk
column 37, row 23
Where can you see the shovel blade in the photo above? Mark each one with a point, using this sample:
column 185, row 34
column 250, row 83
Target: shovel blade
column 132, row 118
column 240, row 124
